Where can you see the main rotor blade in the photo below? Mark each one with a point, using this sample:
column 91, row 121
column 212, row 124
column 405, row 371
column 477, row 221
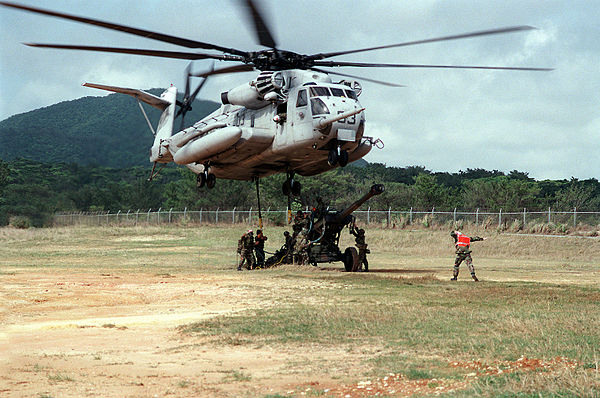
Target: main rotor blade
column 369, row 65
column 262, row 31
column 127, row 29
column 358, row 77
column 137, row 51
column 410, row 43
column 229, row 69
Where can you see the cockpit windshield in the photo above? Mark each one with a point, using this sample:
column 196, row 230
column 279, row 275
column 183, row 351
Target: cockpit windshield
column 351, row 94
column 337, row 92
column 319, row 92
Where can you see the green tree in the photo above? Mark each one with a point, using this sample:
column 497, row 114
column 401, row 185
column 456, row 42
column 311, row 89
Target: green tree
column 500, row 193
column 428, row 193
column 578, row 194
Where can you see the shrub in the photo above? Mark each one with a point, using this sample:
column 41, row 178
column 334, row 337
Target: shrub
column 516, row 225
column 20, row 222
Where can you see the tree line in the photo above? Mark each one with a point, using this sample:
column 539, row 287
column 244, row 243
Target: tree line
column 31, row 192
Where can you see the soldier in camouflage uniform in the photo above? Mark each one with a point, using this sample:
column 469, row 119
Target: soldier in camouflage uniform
column 289, row 248
column 298, row 223
column 462, row 243
column 301, row 249
column 361, row 245
column 246, row 250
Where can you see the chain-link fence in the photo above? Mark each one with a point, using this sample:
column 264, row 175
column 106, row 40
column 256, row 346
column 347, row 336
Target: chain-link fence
column 385, row 218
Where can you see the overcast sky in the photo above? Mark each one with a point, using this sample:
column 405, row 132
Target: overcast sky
column 543, row 123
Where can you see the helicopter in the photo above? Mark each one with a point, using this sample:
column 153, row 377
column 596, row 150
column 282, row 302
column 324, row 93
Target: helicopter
column 293, row 118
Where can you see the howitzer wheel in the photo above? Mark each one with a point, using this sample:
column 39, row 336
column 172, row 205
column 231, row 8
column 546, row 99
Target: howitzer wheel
column 351, row 262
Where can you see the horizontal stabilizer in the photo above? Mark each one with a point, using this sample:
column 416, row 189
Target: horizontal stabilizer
column 150, row 99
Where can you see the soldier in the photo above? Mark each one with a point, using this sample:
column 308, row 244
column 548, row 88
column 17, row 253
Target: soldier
column 462, row 243
column 301, row 249
column 246, row 250
column 259, row 248
column 288, row 248
column 298, row 223
column 361, row 245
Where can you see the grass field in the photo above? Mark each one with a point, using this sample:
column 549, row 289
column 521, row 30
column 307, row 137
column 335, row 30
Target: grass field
column 190, row 325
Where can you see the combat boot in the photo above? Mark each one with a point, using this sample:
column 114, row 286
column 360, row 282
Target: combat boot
column 474, row 278
column 453, row 278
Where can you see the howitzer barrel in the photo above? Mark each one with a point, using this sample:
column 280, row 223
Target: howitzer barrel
column 376, row 189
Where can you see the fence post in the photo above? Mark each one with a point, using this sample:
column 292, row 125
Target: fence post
column 389, row 218
column 200, row 221
column 454, row 216
column 574, row 217
column 137, row 216
column 158, row 216
column 500, row 218
column 548, row 216
column 250, row 215
column 148, row 217
column 368, row 214
column 217, row 216
column 410, row 216
column 170, row 212
column 233, row 215
column 477, row 217
column 184, row 213
column 524, row 220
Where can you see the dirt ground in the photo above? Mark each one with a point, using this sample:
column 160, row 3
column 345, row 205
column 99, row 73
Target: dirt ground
column 115, row 334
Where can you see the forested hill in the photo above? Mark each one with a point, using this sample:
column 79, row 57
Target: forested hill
column 109, row 131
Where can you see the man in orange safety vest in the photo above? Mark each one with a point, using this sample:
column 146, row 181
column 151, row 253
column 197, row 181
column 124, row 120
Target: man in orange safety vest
column 462, row 243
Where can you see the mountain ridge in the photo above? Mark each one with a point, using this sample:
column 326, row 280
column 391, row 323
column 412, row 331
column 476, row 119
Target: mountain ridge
column 93, row 130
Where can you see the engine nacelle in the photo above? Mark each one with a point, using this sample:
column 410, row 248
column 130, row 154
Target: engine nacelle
column 252, row 95
column 245, row 95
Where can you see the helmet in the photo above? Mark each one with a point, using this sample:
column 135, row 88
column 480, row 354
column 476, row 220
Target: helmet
column 249, row 231
column 361, row 231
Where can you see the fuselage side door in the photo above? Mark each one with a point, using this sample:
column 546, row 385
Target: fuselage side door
column 301, row 119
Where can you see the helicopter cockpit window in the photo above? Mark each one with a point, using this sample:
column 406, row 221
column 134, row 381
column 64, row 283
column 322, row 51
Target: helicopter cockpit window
column 319, row 92
column 302, row 100
column 337, row 92
column 318, row 107
column 351, row 94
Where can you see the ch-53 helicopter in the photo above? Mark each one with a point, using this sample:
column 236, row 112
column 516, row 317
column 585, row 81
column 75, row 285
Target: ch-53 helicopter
column 292, row 118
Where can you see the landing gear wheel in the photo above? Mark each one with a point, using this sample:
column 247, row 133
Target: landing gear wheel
column 343, row 158
column 332, row 158
column 296, row 188
column 211, row 180
column 200, row 180
column 351, row 263
column 287, row 187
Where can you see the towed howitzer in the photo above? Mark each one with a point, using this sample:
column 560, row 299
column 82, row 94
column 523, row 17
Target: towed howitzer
column 324, row 233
